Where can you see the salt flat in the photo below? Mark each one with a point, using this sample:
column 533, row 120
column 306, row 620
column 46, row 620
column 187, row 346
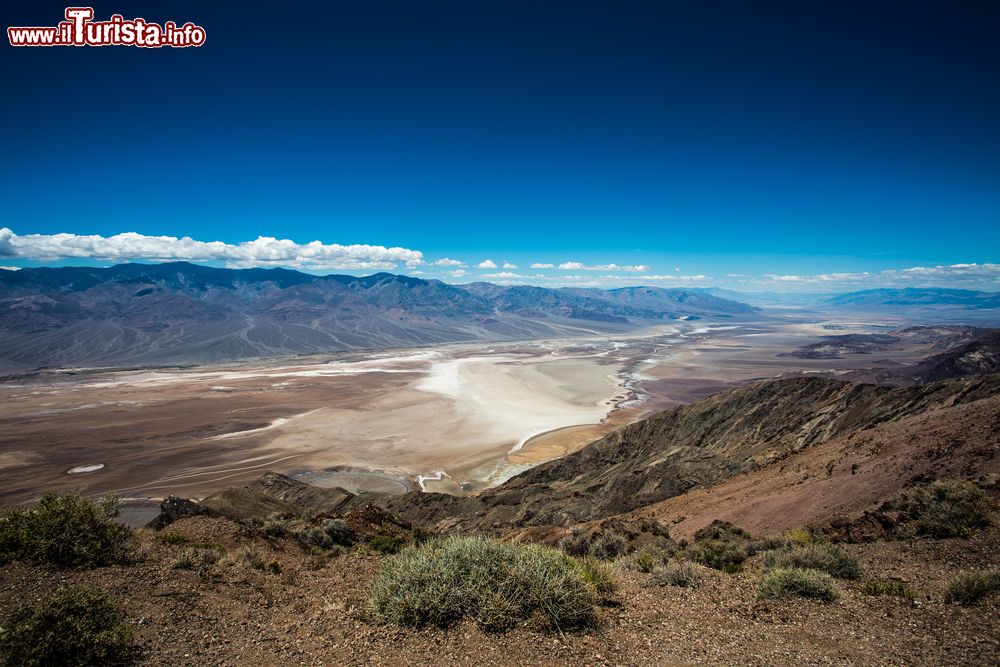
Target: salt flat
column 451, row 418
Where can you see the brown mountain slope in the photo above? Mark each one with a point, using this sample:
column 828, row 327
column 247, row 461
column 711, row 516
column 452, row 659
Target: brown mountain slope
column 844, row 476
column 713, row 439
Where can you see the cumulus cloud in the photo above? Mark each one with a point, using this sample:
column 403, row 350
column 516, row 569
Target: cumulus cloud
column 579, row 266
column 541, row 265
column 508, row 265
column 10, row 268
column 448, row 262
column 487, row 264
column 458, row 273
column 263, row 251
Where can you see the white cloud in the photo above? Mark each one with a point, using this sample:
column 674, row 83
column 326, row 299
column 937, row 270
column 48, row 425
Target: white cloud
column 487, row 264
column 263, row 251
column 579, row 266
column 458, row 273
column 10, row 268
column 502, row 274
column 508, row 265
column 448, row 262
column 967, row 276
column 540, row 265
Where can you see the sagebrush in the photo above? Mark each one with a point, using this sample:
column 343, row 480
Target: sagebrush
column 787, row 582
column 496, row 584
column 67, row 530
column 76, row 626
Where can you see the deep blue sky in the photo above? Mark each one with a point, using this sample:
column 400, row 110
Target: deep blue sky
column 715, row 137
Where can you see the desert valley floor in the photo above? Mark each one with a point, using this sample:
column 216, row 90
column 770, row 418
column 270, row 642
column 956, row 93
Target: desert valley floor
column 451, row 418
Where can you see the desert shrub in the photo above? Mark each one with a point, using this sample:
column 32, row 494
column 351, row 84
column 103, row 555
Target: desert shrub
column 275, row 525
column 829, row 558
column 311, row 537
column 721, row 530
column 75, row 626
column 785, row 582
column 971, row 587
column 386, row 543
column 648, row 559
column 172, row 537
column 496, row 584
column 199, row 558
column 609, row 545
column 577, row 543
column 719, row 554
column 250, row 556
column 339, row 532
column 678, row 573
column 597, row 575
column 945, row 508
column 68, row 530
column 887, row 588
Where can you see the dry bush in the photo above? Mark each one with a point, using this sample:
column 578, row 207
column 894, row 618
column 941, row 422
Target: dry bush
column 787, row 582
column 496, row 584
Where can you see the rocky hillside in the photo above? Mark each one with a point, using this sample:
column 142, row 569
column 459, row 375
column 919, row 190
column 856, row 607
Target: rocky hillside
column 185, row 313
column 663, row 456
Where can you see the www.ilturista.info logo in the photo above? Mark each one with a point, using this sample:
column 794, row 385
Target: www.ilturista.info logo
column 79, row 29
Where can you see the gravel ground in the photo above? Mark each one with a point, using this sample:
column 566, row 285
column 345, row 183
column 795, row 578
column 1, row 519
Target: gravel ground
column 311, row 614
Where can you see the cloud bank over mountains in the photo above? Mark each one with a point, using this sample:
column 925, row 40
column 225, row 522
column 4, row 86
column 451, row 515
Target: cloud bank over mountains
column 317, row 256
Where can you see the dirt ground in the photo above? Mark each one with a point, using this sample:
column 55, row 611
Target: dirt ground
column 312, row 614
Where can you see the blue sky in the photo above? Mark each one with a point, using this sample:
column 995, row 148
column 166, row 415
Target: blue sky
column 752, row 145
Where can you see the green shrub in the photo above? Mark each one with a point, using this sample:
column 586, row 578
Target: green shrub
column 577, row 543
column 172, row 537
column 76, row 626
column 609, row 545
column 597, row 575
column 945, row 508
column 339, row 532
column 971, row 587
column 678, row 573
column 829, row 558
column 496, row 584
column 719, row 554
column 249, row 556
column 721, row 530
column 386, row 544
column 68, row 530
column 649, row 559
column 888, row 588
column 786, row 582
column 199, row 558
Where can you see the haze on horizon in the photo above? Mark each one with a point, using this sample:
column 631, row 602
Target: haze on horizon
column 763, row 147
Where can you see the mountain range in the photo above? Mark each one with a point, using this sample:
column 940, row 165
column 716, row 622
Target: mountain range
column 173, row 313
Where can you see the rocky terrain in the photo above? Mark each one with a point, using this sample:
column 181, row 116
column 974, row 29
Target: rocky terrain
column 725, row 435
column 184, row 313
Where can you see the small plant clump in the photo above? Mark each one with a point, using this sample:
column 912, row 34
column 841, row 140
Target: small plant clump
column 945, row 508
column 609, row 545
column 75, row 626
column 67, row 530
column 684, row 574
column 719, row 554
column 787, row 582
column 199, row 558
column 495, row 584
column 829, row 558
column 971, row 587
column 887, row 588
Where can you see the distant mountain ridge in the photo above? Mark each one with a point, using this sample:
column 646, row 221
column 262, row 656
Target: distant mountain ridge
column 918, row 296
column 186, row 313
